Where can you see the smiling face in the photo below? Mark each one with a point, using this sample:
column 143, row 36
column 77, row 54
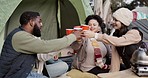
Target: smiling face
column 94, row 25
column 117, row 24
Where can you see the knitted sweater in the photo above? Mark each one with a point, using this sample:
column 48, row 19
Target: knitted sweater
column 89, row 62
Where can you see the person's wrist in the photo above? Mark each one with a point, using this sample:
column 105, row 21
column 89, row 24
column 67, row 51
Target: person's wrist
column 96, row 36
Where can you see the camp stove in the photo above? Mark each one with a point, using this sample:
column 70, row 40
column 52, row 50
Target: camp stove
column 139, row 62
column 140, row 70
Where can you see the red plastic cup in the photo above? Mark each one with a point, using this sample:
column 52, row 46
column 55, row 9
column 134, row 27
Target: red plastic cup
column 69, row 31
column 77, row 26
column 85, row 27
column 77, row 29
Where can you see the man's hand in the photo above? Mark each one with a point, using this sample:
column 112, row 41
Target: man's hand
column 89, row 34
column 78, row 34
column 56, row 57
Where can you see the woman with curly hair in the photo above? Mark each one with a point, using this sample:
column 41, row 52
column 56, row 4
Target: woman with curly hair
column 91, row 54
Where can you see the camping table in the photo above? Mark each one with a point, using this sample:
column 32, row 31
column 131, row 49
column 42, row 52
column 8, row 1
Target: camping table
column 121, row 74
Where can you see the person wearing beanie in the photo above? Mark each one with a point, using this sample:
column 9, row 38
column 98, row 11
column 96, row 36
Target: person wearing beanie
column 124, row 40
column 123, row 15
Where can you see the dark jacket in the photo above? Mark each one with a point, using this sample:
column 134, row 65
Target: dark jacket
column 126, row 51
column 15, row 64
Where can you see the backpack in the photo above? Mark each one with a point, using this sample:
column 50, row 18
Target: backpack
column 142, row 25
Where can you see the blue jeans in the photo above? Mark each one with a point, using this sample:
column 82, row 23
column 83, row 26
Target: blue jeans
column 56, row 68
column 34, row 74
column 68, row 60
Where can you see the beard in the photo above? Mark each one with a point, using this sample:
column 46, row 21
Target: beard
column 36, row 31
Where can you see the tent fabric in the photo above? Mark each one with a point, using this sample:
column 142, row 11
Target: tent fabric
column 6, row 9
column 68, row 16
column 47, row 12
column 78, row 10
column 57, row 15
column 78, row 4
column 73, row 12
column 87, row 10
column 1, row 39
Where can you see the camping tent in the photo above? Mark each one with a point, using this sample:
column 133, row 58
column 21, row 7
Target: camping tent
column 57, row 15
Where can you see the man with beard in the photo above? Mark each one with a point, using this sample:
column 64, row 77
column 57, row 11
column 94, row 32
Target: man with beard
column 20, row 49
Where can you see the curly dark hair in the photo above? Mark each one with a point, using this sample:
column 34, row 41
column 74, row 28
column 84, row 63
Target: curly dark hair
column 27, row 16
column 98, row 19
